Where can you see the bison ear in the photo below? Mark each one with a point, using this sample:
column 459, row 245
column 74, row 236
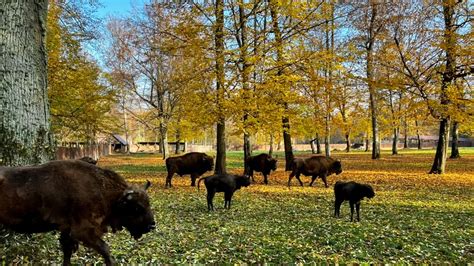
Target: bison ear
column 147, row 184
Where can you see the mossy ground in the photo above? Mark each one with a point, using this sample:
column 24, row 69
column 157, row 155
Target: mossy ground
column 414, row 218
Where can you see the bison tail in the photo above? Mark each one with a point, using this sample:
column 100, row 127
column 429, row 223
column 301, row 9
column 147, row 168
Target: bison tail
column 199, row 181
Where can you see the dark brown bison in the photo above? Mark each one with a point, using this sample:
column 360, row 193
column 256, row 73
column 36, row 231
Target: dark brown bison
column 354, row 193
column 88, row 159
column 78, row 199
column 315, row 166
column 262, row 163
column 193, row 163
column 223, row 183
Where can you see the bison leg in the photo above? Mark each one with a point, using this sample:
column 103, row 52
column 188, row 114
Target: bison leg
column 323, row 177
column 312, row 180
column 90, row 239
column 357, row 209
column 69, row 246
column 337, row 207
column 352, row 209
column 168, row 179
column 298, row 177
column 227, row 199
column 193, row 179
column 210, row 198
column 265, row 179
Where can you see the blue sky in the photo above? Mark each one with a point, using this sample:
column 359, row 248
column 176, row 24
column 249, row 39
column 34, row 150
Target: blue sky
column 117, row 7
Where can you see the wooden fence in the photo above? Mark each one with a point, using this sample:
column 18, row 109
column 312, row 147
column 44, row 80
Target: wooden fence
column 78, row 150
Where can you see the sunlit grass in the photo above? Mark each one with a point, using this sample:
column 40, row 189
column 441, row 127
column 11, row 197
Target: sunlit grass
column 414, row 217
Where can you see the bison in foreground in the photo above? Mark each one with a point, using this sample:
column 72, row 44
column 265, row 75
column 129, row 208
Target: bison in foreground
column 76, row 198
column 263, row 163
column 223, row 183
column 315, row 166
column 193, row 163
column 354, row 193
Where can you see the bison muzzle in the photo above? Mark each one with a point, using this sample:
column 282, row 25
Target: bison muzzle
column 78, row 199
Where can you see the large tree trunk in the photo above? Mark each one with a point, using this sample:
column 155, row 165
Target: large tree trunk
column 280, row 62
column 418, row 137
column 455, row 145
column 178, row 140
column 270, row 150
column 439, row 162
column 348, row 142
column 405, row 133
column 318, row 145
column 220, row 129
column 25, row 134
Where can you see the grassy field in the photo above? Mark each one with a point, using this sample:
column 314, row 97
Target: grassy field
column 414, row 217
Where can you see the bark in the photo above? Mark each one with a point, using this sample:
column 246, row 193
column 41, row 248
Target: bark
column 348, row 143
column 164, row 140
column 439, row 163
column 455, row 144
column 418, row 137
column 396, row 131
column 405, row 133
column 318, row 145
column 313, row 146
column 373, row 95
column 25, row 134
column 327, row 139
column 178, row 140
column 219, row 49
column 367, row 141
column 280, row 60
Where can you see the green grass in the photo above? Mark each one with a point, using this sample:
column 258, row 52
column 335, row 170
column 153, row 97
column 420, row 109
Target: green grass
column 414, row 218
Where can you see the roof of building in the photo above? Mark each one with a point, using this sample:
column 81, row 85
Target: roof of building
column 120, row 139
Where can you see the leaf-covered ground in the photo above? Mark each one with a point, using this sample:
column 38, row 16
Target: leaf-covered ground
column 414, row 217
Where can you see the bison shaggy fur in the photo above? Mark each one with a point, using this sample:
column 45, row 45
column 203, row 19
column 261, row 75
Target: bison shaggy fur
column 262, row 163
column 352, row 192
column 315, row 166
column 193, row 163
column 223, row 183
column 88, row 159
column 78, row 199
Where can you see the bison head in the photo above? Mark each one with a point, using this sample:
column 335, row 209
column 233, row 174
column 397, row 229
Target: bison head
column 243, row 180
column 272, row 163
column 133, row 211
column 369, row 191
column 208, row 162
column 337, row 167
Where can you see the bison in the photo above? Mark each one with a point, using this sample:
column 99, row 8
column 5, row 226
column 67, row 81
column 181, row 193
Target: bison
column 315, row 166
column 193, row 163
column 78, row 199
column 223, row 183
column 88, row 159
column 263, row 163
column 354, row 193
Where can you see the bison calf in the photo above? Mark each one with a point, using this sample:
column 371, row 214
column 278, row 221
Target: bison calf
column 316, row 166
column 354, row 193
column 223, row 183
column 263, row 163
column 193, row 163
column 78, row 199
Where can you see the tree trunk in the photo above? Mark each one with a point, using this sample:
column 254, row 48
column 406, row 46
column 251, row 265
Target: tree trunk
column 318, row 145
column 313, row 146
column 164, row 139
column 405, row 133
column 395, row 141
column 219, row 46
column 270, row 150
column 418, row 137
column 280, row 62
column 25, row 134
column 367, row 141
column 178, row 140
column 439, row 162
column 327, row 139
column 455, row 144
column 247, row 149
column 348, row 143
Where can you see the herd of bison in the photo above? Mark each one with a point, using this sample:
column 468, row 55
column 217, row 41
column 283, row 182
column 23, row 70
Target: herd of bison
column 83, row 201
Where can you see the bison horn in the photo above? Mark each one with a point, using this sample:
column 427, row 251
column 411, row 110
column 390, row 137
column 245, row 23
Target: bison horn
column 147, row 184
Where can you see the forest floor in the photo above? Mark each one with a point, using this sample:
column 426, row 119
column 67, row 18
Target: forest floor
column 414, row 217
